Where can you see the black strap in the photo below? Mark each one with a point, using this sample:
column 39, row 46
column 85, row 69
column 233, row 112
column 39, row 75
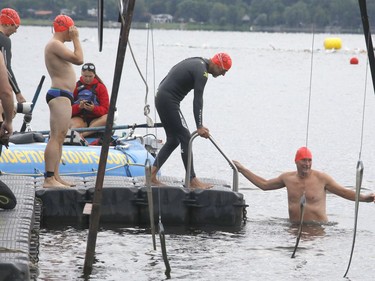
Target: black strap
column 367, row 33
column 81, row 86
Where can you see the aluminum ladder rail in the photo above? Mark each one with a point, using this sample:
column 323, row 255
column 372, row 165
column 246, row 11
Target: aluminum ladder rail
column 188, row 170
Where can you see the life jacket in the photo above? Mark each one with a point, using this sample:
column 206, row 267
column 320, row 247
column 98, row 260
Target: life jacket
column 85, row 94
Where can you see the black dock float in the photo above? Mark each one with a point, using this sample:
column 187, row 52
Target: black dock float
column 19, row 229
column 125, row 202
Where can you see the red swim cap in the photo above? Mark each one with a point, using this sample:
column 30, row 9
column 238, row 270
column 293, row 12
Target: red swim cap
column 9, row 16
column 303, row 153
column 62, row 23
column 223, row 60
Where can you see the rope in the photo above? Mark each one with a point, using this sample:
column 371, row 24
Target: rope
column 160, row 224
column 363, row 110
column 359, row 172
column 73, row 174
column 146, row 109
column 302, row 212
column 310, row 87
column 150, row 32
column 303, row 198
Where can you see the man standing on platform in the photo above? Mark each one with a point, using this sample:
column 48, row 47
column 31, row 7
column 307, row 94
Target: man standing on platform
column 189, row 74
column 59, row 59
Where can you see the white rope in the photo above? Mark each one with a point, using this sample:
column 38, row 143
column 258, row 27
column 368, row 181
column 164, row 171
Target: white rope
column 310, row 87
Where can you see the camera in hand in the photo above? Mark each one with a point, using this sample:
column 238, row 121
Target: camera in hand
column 24, row 107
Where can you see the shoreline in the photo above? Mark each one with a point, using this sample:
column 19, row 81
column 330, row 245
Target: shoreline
column 201, row 27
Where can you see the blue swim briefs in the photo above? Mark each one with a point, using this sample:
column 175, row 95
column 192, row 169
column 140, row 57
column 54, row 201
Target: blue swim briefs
column 54, row 93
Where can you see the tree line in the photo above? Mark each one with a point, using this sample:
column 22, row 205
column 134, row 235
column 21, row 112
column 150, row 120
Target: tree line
column 216, row 14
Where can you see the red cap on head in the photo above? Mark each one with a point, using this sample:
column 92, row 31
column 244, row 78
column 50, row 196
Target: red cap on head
column 223, row 60
column 62, row 23
column 303, row 153
column 9, row 16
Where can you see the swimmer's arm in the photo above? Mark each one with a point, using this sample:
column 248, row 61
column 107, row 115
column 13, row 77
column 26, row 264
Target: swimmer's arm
column 63, row 52
column 333, row 187
column 78, row 52
column 260, row 182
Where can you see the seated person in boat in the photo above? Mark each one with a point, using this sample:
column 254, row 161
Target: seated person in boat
column 305, row 181
column 91, row 101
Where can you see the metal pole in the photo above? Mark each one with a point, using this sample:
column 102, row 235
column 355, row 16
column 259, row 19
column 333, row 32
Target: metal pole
column 95, row 215
column 150, row 201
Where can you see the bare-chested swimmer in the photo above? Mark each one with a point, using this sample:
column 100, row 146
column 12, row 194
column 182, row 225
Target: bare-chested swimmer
column 59, row 59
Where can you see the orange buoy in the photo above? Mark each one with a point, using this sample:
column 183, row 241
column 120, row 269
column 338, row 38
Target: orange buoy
column 353, row 60
column 332, row 43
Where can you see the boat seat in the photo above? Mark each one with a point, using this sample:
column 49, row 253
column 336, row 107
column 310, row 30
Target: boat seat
column 26, row 137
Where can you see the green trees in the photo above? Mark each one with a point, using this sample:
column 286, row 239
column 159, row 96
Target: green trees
column 232, row 14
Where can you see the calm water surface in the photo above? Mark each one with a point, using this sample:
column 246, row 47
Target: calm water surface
column 258, row 114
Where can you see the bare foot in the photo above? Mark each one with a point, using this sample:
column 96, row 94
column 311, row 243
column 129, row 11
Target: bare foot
column 51, row 182
column 66, row 183
column 154, row 179
column 156, row 182
column 195, row 183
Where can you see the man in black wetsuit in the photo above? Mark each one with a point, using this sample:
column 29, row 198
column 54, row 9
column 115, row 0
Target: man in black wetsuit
column 9, row 23
column 189, row 74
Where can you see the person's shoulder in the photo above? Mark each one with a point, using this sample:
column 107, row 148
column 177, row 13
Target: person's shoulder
column 321, row 175
column 54, row 46
column 288, row 174
column 194, row 60
column 55, row 41
column 52, row 42
column 4, row 40
column 101, row 85
column 3, row 36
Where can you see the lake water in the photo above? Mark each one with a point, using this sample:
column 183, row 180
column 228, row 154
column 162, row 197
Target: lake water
column 258, row 114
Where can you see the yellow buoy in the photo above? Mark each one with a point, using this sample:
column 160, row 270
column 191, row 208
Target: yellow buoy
column 332, row 43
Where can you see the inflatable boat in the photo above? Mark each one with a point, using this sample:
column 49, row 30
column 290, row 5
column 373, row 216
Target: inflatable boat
column 126, row 156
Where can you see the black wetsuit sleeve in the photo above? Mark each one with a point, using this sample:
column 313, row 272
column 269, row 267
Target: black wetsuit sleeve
column 13, row 81
column 200, row 83
column 5, row 48
column 7, row 198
